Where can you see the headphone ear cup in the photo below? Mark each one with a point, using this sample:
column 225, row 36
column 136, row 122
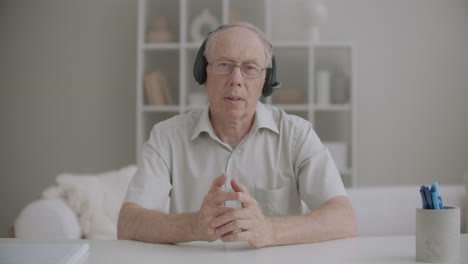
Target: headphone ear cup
column 267, row 88
column 199, row 66
column 270, row 79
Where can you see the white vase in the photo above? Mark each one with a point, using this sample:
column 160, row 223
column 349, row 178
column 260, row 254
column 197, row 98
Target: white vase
column 318, row 15
column 323, row 87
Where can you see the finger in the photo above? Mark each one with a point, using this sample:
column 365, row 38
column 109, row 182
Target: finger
column 236, row 236
column 246, row 199
column 220, row 210
column 233, row 226
column 218, row 198
column 229, row 216
column 218, row 183
column 237, row 187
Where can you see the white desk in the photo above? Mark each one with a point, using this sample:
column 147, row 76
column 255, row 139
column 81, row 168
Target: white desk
column 400, row 249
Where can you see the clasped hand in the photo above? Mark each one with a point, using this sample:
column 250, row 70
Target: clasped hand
column 248, row 223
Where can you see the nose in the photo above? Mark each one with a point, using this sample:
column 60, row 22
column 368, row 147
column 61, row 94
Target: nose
column 235, row 78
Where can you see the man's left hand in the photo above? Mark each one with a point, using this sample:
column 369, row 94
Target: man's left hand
column 245, row 224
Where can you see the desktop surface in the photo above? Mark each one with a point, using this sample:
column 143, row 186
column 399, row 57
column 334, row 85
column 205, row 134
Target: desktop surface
column 397, row 249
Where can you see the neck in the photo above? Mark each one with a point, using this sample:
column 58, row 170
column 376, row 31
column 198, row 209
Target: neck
column 232, row 132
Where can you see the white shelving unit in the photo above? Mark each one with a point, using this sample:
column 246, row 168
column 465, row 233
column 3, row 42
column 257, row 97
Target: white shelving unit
column 298, row 62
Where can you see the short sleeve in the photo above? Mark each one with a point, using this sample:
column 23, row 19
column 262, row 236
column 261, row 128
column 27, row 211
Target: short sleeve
column 151, row 184
column 318, row 178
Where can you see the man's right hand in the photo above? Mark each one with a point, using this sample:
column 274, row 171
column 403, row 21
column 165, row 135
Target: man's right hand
column 212, row 207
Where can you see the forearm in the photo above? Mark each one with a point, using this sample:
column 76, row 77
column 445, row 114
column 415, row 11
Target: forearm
column 138, row 223
column 335, row 220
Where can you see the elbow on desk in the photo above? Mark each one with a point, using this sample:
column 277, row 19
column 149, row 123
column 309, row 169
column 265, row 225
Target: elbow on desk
column 353, row 222
column 350, row 224
column 121, row 234
column 124, row 222
column 335, row 220
column 354, row 228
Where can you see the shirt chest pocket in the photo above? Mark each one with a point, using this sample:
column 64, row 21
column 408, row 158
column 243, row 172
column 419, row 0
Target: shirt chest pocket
column 273, row 202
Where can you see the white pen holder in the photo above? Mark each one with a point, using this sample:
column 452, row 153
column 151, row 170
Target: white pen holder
column 438, row 235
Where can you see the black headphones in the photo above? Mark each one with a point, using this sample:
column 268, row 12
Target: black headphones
column 199, row 69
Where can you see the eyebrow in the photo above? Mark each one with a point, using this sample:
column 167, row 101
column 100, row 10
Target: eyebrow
column 246, row 61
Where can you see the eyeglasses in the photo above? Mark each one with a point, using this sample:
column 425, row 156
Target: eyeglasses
column 249, row 70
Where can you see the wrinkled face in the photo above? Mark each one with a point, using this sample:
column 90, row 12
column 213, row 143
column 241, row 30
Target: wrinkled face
column 234, row 96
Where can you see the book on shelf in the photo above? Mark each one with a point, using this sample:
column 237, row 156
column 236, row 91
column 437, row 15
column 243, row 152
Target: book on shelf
column 43, row 253
column 157, row 91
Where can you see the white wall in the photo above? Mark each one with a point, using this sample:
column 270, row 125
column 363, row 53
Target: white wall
column 67, row 100
column 67, row 93
column 412, row 89
column 412, row 83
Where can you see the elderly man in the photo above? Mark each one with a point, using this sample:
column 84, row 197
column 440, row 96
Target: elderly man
column 237, row 170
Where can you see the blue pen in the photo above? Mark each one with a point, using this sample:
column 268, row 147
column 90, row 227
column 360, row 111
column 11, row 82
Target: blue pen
column 423, row 197
column 435, row 187
column 435, row 200
column 427, row 193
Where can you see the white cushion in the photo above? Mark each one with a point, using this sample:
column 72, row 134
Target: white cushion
column 47, row 219
column 95, row 198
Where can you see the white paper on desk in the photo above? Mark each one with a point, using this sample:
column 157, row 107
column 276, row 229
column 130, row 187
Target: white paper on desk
column 43, row 253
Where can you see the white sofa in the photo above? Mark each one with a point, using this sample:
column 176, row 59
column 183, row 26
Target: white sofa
column 71, row 214
column 79, row 205
column 391, row 210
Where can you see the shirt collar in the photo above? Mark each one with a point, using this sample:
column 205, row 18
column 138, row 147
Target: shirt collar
column 263, row 119
column 204, row 125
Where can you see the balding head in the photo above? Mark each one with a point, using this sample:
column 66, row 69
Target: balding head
column 268, row 49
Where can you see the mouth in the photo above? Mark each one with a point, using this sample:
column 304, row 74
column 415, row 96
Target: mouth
column 233, row 98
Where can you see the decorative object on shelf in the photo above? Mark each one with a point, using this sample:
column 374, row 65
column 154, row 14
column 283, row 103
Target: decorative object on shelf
column 198, row 98
column 339, row 89
column 323, row 87
column 203, row 24
column 288, row 96
column 339, row 153
column 157, row 91
column 318, row 15
column 159, row 31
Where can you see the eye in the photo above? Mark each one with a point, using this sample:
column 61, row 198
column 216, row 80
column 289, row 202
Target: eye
column 223, row 66
column 251, row 68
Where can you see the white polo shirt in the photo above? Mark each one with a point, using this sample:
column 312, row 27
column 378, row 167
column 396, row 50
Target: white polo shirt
column 281, row 161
